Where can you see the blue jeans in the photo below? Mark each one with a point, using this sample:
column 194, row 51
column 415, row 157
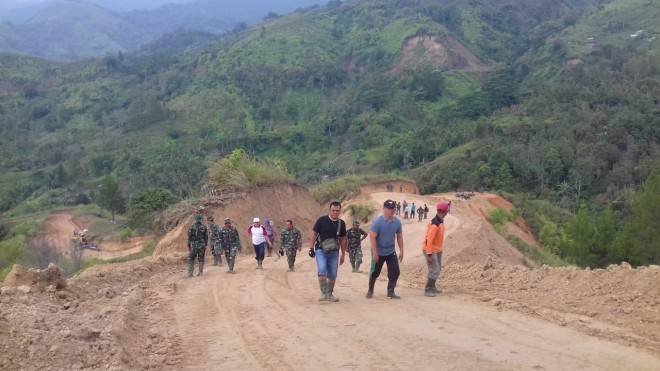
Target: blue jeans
column 328, row 263
column 259, row 251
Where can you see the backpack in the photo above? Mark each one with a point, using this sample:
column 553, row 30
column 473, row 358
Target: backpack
column 199, row 231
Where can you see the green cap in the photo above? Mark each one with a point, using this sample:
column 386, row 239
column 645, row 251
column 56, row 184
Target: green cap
column 356, row 222
column 198, row 217
column 227, row 220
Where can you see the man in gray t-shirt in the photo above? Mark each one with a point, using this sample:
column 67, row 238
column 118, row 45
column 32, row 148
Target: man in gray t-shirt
column 385, row 230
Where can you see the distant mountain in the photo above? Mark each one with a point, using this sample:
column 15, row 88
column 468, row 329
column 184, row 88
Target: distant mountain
column 69, row 30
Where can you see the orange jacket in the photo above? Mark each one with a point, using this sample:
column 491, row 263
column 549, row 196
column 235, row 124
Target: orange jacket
column 435, row 234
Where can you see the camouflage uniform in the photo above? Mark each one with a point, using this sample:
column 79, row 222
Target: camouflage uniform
column 291, row 240
column 198, row 238
column 270, row 230
column 230, row 242
column 354, row 245
column 214, row 234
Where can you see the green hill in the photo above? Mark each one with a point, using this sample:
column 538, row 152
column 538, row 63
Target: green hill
column 487, row 95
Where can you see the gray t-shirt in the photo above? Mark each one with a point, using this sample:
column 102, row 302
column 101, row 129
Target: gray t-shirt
column 387, row 231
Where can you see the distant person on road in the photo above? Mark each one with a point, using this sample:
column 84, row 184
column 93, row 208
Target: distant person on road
column 214, row 235
column 413, row 210
column 398, row 208
column 426, row 211
column 291, row 242
column 230, row 242
column 272, row 235
column 432, row 248
column 355, row 236
column 259, row 241
column 198, row 238
column 328, row 238
column 385, row 230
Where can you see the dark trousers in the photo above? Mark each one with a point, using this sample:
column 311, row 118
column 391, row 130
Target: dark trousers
column 259, row 251
column 392, row 270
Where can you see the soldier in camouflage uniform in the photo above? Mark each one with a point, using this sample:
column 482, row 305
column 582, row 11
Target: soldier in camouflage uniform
column 214, row 234
column 291, row 240
column 230, row 243
column 198, row 238
column 355, row 236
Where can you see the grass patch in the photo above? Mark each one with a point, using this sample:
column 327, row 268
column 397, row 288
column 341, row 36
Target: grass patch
column 348, row 186
column 239, row 171
column 498, row 216
column 362, row 213
column 538, row 255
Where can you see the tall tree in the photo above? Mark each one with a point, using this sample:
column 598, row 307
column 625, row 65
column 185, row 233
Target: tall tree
column 642, row 230
column 110, row 196
column 581, row 233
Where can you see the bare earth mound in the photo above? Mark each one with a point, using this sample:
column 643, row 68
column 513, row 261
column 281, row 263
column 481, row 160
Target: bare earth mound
column 494, row 313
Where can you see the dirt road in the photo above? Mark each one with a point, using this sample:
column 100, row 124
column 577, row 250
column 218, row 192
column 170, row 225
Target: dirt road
column 58, row 230
column 271, row 319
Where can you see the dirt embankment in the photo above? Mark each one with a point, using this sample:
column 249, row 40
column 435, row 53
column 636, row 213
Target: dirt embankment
column 493, row 313
column 277, row 204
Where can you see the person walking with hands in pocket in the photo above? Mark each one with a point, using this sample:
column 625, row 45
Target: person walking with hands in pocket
column 385, row 230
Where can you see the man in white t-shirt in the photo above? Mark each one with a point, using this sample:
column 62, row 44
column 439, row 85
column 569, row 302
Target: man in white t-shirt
column 259, row 240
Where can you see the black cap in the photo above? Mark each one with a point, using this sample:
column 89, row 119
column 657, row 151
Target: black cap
column 389, row 204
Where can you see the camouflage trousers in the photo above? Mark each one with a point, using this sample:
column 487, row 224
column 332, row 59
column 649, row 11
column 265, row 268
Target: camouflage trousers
column 290, row 256
column 230, row 253
column 197, row 251
column 355, row 255
column 216, row 250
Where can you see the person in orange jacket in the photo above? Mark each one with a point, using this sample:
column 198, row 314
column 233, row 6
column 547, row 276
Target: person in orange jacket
column 432, row 247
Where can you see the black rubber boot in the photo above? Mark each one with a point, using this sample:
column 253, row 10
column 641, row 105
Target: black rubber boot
column 201, row 269
column 428, row 289
column 370, row 292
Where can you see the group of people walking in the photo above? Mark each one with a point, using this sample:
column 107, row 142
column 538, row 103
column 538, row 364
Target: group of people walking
column 409, row 212
column 329, row 241
column 226, row 241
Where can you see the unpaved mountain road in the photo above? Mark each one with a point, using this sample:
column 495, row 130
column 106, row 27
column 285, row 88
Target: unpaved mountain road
column 494, row 313
column 271, row 319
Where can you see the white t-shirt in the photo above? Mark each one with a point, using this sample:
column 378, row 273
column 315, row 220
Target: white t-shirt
column 257, row 234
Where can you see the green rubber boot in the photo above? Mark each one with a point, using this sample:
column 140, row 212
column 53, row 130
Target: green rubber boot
column 331, row 288
column 323, row 284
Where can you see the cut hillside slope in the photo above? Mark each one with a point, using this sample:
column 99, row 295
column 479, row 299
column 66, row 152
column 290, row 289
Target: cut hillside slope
column 276, row 203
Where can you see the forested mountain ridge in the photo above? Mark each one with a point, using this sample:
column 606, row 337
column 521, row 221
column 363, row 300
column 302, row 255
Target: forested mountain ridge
column 498, row 95
column 74, row 29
